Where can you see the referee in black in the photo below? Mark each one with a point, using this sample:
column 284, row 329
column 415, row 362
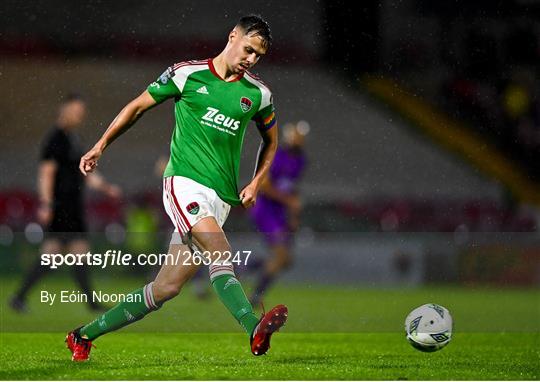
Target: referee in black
column 61, row 198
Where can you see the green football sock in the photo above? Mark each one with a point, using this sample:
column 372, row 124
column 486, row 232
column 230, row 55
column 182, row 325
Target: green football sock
column 136, row 305
column 231, row 294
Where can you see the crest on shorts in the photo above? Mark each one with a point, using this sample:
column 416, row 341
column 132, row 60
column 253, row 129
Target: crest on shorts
column 193, row 208
column 245, row 104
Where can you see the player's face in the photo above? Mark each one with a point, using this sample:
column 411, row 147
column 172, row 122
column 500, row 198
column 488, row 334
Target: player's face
column 293, row 137
column 73, row 113
column 245, row 51
column 298, row 140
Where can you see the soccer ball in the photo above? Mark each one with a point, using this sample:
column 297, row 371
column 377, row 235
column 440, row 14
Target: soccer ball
column 429, row 327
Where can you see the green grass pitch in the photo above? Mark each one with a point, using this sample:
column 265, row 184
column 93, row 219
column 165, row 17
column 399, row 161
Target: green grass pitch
column 332, row 333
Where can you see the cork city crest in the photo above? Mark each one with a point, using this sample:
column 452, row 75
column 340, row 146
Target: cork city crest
column 193, row 208
column 245, row 104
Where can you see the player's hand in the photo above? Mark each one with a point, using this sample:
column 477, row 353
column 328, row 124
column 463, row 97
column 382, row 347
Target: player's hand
column 89, row 161
column 44, row 214
column 294, row 223
column 113, row 191
column 248, row 195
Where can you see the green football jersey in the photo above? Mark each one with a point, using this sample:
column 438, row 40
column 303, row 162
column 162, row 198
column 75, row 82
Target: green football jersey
column 211, row 117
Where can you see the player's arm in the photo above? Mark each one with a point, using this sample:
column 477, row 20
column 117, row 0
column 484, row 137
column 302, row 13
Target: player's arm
column 46, row 175
column 97, row 182
column 265, row 156
column 290, row 200
column 160, row 166
column 123, row 121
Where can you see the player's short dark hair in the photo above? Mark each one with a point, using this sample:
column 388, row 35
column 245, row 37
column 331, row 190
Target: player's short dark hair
column 256, row 25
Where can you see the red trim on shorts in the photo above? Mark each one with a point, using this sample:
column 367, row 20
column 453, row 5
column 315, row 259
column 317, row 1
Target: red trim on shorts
column 178, row 205
column 175, row 221
column 186, row 227
column 179, row 226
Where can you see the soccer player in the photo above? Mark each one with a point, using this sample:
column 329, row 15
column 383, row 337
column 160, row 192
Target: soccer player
column 61, row 198
column 214, row 101
column 278, row 207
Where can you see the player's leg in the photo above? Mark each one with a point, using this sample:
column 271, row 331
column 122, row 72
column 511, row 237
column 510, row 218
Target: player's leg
column 209, row 237
column 168, row 283
column 142, row 301
column 199, row 284
column 170, row 280
column 172, row 277
column 81, row 272
column 279, row 261
column 18, row 301
column 274, row 226
column 275, row 318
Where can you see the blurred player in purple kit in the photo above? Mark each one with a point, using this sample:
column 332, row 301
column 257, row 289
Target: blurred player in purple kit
column 277, row 211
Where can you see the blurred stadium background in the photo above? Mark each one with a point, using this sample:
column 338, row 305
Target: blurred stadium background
column 425, row 128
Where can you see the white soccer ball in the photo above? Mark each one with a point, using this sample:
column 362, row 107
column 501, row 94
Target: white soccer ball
column 429, row 327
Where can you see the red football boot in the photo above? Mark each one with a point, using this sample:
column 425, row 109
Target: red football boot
column 270, row 322
column 79, row 347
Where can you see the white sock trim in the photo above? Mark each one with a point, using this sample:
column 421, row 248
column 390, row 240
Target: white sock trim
column 216, row 270
column 149, row 296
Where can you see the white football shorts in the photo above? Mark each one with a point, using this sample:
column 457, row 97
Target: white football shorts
column 187, row 202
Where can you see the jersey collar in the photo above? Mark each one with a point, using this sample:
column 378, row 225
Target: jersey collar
column 213, row 70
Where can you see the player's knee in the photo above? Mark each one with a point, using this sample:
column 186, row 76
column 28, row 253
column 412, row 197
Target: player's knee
column 283, row 259
column 284, row 263
column 166, row 291
column 287, row 262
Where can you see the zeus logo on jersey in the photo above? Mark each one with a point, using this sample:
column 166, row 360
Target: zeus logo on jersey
column 213, row 115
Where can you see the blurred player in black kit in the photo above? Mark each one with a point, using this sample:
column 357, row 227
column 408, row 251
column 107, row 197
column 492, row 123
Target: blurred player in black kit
column 61, row 198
